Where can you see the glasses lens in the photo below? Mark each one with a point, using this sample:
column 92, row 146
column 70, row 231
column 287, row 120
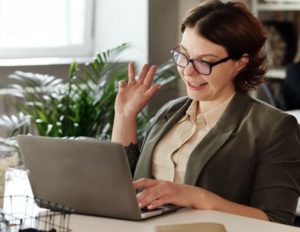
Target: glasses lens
column 202, row 67
column 180, row 59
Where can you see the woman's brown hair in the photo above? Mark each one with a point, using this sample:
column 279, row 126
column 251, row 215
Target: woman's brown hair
column 232, row 26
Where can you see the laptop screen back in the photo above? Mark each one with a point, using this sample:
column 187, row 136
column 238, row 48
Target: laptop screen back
column 90, row 176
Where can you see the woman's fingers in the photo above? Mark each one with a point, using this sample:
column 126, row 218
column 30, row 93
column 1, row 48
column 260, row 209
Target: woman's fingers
column 146, row 195
column 152, row 90
column 131, row 74
column 157, row 193
column 154, row 192
column 144, row 183
column 150, row 75
column 137, row 92
column 159, row 202
column 146, row 75
column 122, row 84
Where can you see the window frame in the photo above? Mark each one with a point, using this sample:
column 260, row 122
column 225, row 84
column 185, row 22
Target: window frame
column 84, row 50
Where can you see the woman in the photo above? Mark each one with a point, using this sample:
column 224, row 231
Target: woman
column 218, row 148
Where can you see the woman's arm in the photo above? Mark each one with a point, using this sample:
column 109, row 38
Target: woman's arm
column 158, row 193
column 124, row 130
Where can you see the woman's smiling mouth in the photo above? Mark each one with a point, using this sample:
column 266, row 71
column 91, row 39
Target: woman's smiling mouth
column 195, row 85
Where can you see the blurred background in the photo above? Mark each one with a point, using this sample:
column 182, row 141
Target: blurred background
column 46, row 36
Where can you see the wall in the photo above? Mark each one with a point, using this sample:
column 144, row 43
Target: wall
column 151, row 26
column 123, row 21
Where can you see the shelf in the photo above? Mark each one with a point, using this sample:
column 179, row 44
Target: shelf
column 276, row 73
column 259, row 6
column 291, row 6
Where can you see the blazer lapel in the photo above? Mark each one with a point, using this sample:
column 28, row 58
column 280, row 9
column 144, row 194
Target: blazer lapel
column 163, row 125
column 215, row 138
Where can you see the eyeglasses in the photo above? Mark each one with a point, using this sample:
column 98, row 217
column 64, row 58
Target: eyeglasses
column 201, row 66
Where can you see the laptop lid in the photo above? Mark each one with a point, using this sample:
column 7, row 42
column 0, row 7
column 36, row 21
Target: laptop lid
column 89, row 176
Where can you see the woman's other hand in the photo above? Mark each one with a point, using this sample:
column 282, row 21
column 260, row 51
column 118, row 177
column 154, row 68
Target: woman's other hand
column 156, row 193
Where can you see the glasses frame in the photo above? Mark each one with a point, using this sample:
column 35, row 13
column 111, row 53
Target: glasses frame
column 192, row 61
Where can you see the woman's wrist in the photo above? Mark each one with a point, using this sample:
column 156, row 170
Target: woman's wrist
column 124, row 130
column 204, row 199
column 125, row 118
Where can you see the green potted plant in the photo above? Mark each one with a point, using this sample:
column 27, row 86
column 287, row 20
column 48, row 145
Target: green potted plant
column 82, row 105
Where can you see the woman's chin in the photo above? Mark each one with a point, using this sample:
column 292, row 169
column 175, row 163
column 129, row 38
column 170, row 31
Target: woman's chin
column 196, row 96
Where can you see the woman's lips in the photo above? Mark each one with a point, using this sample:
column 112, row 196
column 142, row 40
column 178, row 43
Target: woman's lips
column 197, row 86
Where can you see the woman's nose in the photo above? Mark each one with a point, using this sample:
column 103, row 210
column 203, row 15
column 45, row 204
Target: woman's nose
column 189, row 70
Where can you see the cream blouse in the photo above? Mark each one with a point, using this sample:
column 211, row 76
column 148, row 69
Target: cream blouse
column 172, row 152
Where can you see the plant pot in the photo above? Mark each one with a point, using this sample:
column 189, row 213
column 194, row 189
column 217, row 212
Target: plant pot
column 11, row 160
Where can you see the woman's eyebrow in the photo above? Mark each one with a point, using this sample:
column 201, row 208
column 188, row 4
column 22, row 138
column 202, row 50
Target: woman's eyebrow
column 198, row 57
column 182, row 47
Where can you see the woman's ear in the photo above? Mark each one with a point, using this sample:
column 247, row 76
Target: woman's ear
column 242, row 63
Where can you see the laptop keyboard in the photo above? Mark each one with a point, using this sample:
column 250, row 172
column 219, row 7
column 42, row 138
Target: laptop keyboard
column 146, row 210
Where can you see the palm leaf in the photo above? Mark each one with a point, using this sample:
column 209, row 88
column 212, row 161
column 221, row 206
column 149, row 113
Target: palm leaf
column 15, row 124
column 81, row 105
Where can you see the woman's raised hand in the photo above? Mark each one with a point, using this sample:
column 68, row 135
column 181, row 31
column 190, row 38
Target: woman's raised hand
column 134, row 95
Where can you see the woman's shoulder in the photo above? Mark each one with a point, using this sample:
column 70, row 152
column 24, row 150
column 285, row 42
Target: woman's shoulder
column 268, row 113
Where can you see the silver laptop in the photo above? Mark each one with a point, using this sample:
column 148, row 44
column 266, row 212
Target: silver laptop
column 86, row 175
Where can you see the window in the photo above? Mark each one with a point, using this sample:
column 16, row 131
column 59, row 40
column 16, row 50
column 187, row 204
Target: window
column 45, row 28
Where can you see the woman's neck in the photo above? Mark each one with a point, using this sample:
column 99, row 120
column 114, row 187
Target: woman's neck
column 205, row 106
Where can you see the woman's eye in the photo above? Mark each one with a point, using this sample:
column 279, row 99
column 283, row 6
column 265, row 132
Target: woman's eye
column 203, row 61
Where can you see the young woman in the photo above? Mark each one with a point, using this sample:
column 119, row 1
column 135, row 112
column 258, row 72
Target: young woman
column 217, row 148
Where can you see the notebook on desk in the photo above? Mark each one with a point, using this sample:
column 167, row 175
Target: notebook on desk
column 89, row 176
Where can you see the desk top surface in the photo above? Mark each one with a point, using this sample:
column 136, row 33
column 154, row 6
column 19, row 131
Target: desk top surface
column 232, row 223
column 17, row 183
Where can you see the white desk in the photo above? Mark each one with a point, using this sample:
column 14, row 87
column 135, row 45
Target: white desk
column 231, row 222
column 295, row 113
column 17, row 182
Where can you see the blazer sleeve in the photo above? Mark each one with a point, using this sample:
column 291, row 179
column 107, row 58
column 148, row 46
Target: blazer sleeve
column 133, row 150
column 277, row 173
column 133, row 153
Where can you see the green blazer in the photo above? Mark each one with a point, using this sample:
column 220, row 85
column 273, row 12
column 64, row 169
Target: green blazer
column 251, row 156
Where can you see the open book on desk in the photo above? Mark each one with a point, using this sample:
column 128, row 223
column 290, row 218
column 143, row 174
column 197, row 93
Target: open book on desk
column 191, row 227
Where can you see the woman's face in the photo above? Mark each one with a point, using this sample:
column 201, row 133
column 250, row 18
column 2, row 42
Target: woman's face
column 218, row 85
